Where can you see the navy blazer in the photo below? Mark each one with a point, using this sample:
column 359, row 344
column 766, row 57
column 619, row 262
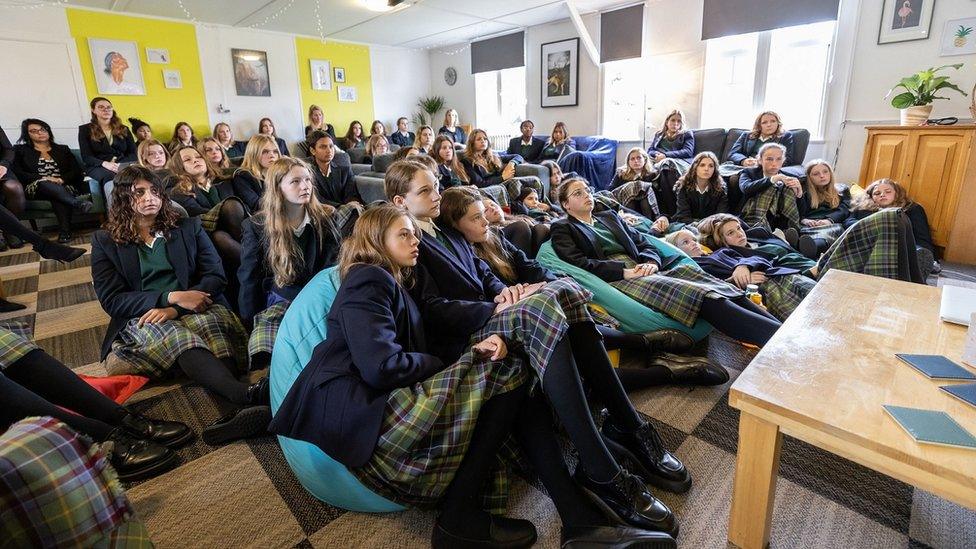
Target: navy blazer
column 338, row 188
column 684, row 144
column 118, row 279
column 282, row 146
column 693, row 205
column 753, row 181
column 197, row 203
column 527, row 270
column 576, row 243
column 25, row 165
column 457, row 135
column 531, row 153
column 248, row 188
column 836, row 215
column 329, row 129
column 236, row 150
column 723, row 261
column 748, row 147
column 447, row 177
column 375, row 345
column 96, row 151
column 398, row 138
column 255, row 276
column 479, row 176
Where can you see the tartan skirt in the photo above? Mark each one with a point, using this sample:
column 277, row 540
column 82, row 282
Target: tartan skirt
column 16, row 340
column 152, row 349
column 783, row 294
column 210, row 218
column 869, row 246
column 427, row 427
column 677, row 292
column 830, row 233
column 345, row 217
column 676, row 164
column 772, row 202
column 265, row 330
column 515, row 185
column 633, row 190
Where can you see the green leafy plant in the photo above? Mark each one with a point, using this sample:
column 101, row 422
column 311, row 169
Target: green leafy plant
column 429, row 106
column 921, row 88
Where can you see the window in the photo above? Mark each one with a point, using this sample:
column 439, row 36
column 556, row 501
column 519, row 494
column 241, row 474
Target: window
column 623, row 99
column 783, row 70
column 500, row 102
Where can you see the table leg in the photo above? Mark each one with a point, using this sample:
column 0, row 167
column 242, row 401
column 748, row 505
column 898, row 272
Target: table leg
column 754, row 488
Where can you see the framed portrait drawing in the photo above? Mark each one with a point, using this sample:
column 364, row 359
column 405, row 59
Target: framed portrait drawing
column 117, row 68
column 172, row 79
column 321, row 74
column 251, row 72
column 560, row 73
column 904, row 20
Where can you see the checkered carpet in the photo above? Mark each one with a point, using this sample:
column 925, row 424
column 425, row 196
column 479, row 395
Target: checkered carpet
column 244, row 494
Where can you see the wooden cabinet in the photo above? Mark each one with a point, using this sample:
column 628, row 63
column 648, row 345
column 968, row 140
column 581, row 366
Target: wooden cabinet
column 937, row 166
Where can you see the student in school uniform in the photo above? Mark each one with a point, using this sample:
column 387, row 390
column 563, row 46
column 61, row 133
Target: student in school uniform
column 701, row 192
column 457, row 293
column 11, row 190
column 140, row 130
column 558, row 145
column 182, row 137
column 527, row 146
column 284, row 246
column 377, row 128
column 354, row 138
column 768, row 128
column 316, row 121
column 248, row 180
column 424, row 142
column 484, row 167
column 210, row 148
column 450, row 171
column 634, row 185
column 105, row 143
column 266, row 127
column 823, row 208
column 603, row 244
column 376, row 145
column 224, row 135
column 151, row 154
column 402, row 137
column 160, row 280
column 528, row 202
column 452, row 129
column 367, row 372
column 770, row 197
column 521, row 231
column 673, row 140
column 334, row 183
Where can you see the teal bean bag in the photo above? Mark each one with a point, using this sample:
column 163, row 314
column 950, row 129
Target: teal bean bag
column 302, row 328
column 634, row 317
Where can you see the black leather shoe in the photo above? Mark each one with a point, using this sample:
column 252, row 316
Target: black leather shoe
column 792, row 237
column 690, row 369
column 668, row 340
column 627, row 500
column 168, row 433
column 14, row 242
column 246, row 422
column 503, row 533
column 653, row 462
column 10, row 306
column 136, row 459
column 807, row 246
column 615, row 537
column 64, row 237
column 59, row 252
column 259, row 393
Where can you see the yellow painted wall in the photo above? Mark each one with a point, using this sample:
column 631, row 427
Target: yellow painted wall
column 162, row 108
column 353, row 58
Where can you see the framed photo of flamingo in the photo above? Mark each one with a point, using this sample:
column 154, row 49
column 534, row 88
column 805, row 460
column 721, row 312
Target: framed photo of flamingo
column 904, row 20
column 560, row 73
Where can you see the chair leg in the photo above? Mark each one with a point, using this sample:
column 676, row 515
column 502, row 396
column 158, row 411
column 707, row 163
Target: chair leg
column 33, row 224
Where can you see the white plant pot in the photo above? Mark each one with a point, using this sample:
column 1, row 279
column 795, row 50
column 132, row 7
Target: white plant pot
column 915, row 116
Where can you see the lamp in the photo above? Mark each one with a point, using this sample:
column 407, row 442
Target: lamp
column 381, row 5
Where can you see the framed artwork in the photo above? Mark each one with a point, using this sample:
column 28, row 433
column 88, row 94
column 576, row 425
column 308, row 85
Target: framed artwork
column 117, row 67
column 340, row 74
column 251, row 72
column 321, row 74
column 157, row 56
column 560, row 73
column 347, row 94
column 958, row 37
column 904, row 20
column 172, row 79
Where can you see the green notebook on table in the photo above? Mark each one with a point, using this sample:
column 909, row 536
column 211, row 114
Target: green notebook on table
column 932, row 427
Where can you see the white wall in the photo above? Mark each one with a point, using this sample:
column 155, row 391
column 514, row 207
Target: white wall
column 460, row 96
column 400, row 78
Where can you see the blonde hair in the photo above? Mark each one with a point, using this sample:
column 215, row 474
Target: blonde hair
column 416, row 137
column 627, row 173
column 252, row 154
column 455, row 164
column 559, row 126
column 454, row 206
column 827, row 194
column 447, row 117
column 487, row 159
column 217, row 129
column 373, row 142
column 224, row 161
column 143, row 149
column 312, row 109
column 366, row 244
column 284, row 255
column 757, row 127
column 710, row 229
column 184, row 182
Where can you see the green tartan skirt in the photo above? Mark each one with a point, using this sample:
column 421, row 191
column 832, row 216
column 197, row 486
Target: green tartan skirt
column 774, row 202
column 869, row 246
column 210, row 218
column 783, row 294
column 152, row 349
column 677, row 292
column 428, row 426
column 265, row 330
column 16, row 340
column 828, row 233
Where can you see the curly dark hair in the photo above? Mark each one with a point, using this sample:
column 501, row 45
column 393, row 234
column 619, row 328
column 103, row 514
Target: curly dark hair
column 121, row 223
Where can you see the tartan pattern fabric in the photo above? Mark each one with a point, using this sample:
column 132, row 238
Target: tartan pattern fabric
column 677, row 292
column 869, row 246
column 634, row 190
column 676, row 164
column 496, row 193
column 514, row 186
column 152, row 349
column 345, row 217
column 16, row 340
column 428, row 426
column 58, row 490
column 602, row 317
column 209, row 219
column 772, row 202
column 783, row 294
column 266, row 328
column 830, row 233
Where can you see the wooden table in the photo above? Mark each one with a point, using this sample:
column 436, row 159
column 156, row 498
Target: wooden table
column 823, row 379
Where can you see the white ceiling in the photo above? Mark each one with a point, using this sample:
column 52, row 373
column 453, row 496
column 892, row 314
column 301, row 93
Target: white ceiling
column 420, row 24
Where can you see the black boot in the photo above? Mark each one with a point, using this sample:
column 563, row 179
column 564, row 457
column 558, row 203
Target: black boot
column 503, row 533
column 10, row 306
column 690, row 369
column 668, row 340
column 168, row 433
column 251, row 421
column 606, row 537
column 259, row 393
column 654, row 463
column 136, row 459
column 627, row 500
column 792, row 237
column 64, row 236
column 808, row 246
column 58, row 252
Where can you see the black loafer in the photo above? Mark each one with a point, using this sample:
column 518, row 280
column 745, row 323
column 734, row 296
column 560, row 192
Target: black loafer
column 668, row 340
column 244, row 423
column 626, row 500
column 616, row 537
column 807, row 246
column 59, row 252
column 504, row 533
column 168, row 433
column 652, row 461
column 259, row 393
column 691, row 369
column 792, row 237
column 10, row 306
column 136, row 459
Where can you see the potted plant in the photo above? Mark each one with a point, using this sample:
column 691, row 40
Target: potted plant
column 429, row 106
column 920, row 91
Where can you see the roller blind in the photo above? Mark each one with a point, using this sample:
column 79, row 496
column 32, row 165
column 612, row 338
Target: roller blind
column 621, row 33
column 500, row 52
column 730, row 17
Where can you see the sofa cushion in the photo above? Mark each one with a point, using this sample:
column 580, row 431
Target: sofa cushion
column 356, row 155
column 382, row 162
column 801, row 141
column 730, row 138
column 712, row 140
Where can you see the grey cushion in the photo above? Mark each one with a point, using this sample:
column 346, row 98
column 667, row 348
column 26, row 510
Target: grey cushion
column 801, row 140
column 712, row 140
column 730, row 139
column 342, row 158
column 361, row 168
column 356, row 155
column 537, row 170
column 370, row 188
column 382, row 162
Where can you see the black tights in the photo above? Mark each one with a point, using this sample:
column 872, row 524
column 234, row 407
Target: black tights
column 39, row 385
column 62, row 202
column 13, row 196
column 214, row 374
column 520, row 234
column 9, row 224
column 739, row 318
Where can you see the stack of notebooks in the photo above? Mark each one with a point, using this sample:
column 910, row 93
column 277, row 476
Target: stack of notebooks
column 933, row 426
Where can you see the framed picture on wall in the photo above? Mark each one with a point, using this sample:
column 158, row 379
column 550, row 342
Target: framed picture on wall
column 172, row 79
column 158, row 56
column 251, row 72
column 117, row 67
column 560, row 73
column 321, row 74
column 904, row 20
column 340, row 74
column 958, row 37
column 347, row 94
